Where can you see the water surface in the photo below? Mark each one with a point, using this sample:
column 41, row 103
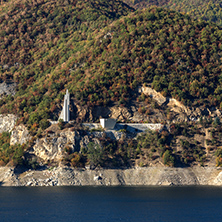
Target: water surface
column 154, row 204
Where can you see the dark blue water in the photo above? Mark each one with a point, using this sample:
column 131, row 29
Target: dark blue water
column 111, row 204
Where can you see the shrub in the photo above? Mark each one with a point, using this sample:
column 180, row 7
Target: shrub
column 95, row 154
column 61, row 124
column 168, row 158
column 44, row 124
column 77, row 160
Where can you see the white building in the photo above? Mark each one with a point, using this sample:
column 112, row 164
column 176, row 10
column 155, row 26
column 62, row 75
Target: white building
column 108, row 123
column 65, row 114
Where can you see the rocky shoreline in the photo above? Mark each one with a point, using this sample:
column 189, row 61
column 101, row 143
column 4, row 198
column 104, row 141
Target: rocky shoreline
column 145, row 176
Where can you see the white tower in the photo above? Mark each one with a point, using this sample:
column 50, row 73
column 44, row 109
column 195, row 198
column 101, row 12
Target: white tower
column 65, row 114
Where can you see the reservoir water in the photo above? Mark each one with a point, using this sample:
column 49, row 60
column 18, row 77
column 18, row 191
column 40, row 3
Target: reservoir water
column 107, row 204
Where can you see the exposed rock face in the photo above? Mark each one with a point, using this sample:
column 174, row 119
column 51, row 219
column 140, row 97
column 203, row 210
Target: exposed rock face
column 7, row 122
column 123, row 114
column 84, row 141
column 178, row 107
column 185, row 113
column 83, row 113
column 7, row 89
column 178, row 111
column 8, row 177
column 218, row 179
column 157, row 176
column 51, row 147
column 120, row 113
column 20, row 135
column 154, row 94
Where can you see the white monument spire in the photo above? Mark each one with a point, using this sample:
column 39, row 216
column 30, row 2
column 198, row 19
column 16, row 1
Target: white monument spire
column 65, row 114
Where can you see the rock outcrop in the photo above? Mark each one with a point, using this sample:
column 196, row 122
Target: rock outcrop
column 152, row 113
column 7, row 122
column 120, row 113
column 153, row 94
column 8, row 177
column 20, row 135
column 7, row 89
column 184, row 113
column 51, row 147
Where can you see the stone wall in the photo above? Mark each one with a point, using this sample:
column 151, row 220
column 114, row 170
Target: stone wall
column 130, row 127
column 138, row 127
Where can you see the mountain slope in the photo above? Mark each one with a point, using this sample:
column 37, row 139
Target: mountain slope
column 27, row 27
column 200, row 9
column 178, row 56
column 104, row 62
column 34, row 39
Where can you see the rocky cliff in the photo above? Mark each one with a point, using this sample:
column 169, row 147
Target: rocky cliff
column 157, row 109
column 147, row 176
column 183, row 113
column 7, row 89
column 7, row 122
column 52, row 145
column 20, row 135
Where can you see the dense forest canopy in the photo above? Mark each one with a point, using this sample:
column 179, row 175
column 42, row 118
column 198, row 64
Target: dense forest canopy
column 47, row 47
column 200, row 9
column 34, row 38
column 178, row 56
column 30, row 27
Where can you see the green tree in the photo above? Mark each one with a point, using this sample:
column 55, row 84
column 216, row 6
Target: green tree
column 95, row 154
column 168, row 158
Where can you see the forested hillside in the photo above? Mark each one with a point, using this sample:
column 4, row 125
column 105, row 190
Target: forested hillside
column 140, row 4
column 178, row 56
column 34, row 27
column 102, row 52
column 200, row 9
column 34, row 39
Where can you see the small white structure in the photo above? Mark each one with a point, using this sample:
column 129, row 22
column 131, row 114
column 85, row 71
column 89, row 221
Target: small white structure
column 108, row 123
column 65, row 114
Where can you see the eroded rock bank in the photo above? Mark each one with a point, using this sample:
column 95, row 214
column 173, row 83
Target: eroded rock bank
column 7, row 122
column 146, row 176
